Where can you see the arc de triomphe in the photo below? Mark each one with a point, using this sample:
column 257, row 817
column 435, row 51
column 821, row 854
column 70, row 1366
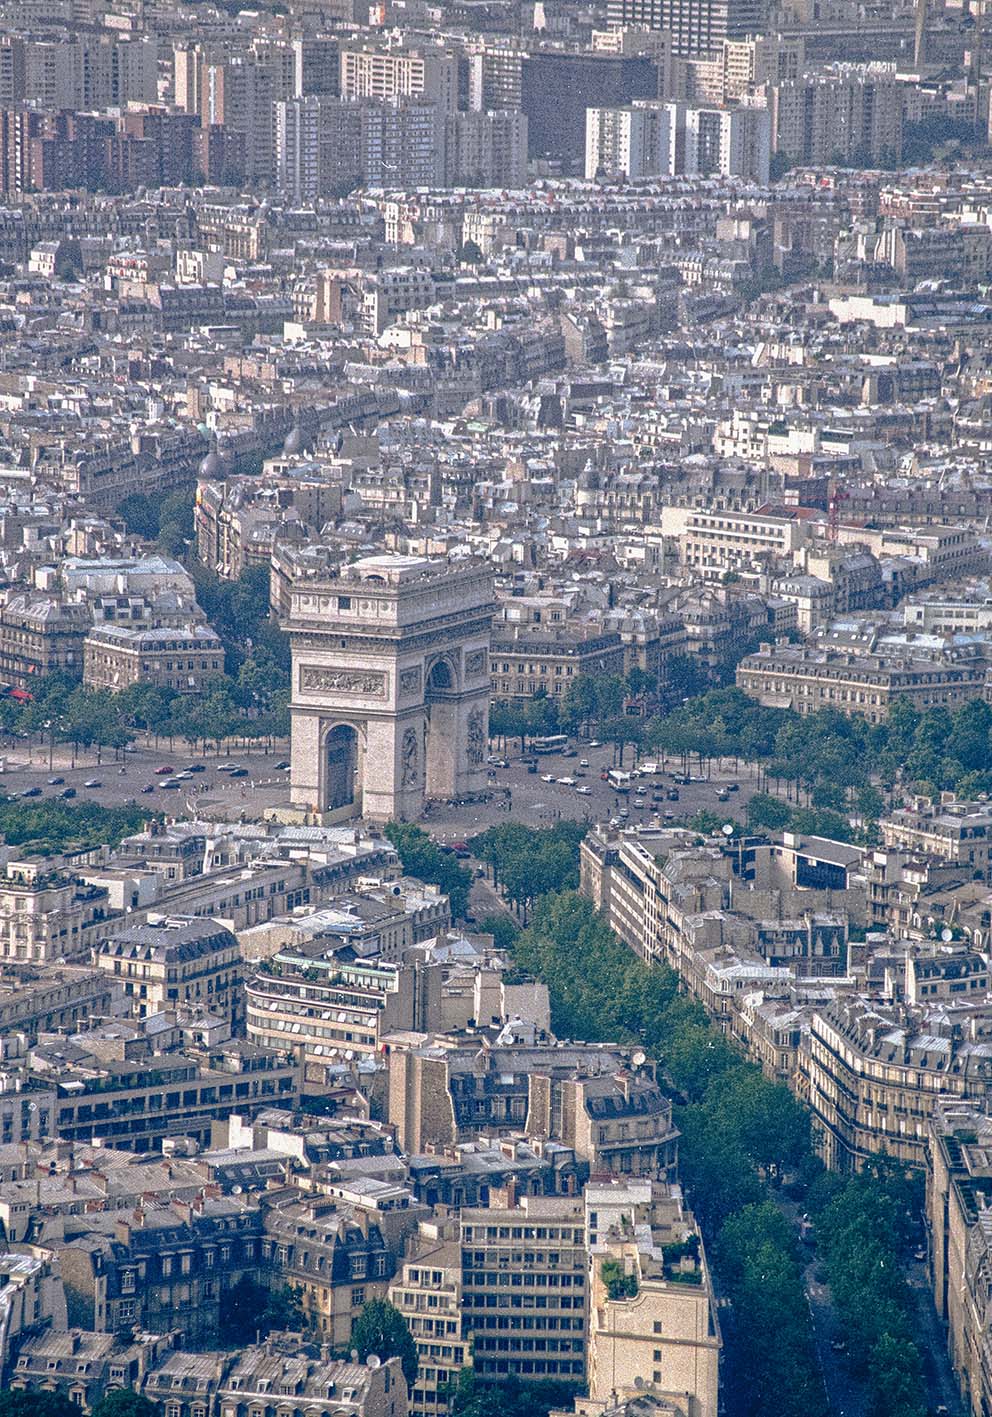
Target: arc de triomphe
column 390, row 691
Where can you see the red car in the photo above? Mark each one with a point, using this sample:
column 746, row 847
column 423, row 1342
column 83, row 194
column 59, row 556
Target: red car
column 163, row 772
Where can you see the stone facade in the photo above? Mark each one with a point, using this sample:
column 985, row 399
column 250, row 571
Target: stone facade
column 390, row 696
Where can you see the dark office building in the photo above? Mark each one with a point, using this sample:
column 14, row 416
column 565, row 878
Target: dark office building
column 696, row 26
column 557, row 88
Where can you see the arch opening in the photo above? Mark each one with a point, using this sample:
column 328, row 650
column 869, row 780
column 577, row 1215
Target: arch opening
column 342, row 768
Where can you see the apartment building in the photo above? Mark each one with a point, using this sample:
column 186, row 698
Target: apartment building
column 949, row 830
column 696, row 29
column 327, row 1005
column 47, row 913
column 731, row 142
column 55, row 999
column 524, row 1287
column 836, row 113
column 632, row 141
column 817, row 675
column 161, row 1268
column 959, row 1187
column 873, row 1073
column 137, row 1103
column 40, row 635
column 652, row 1316
column 170, row 962
column 588, row 1097
column 760, row 59
column 338, row 1250
column 428, row 1293
column 243, row 1383
column 715, row 542
column 526, row 659
column 429, row 74
column 485, row 149
column 117, row 656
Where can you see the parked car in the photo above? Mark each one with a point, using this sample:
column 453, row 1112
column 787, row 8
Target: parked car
column 31, row 792
column 92, row 782
column 68, row 794
column 148, row 787
column 194, row 767
column 56, row 781
column 584, row 791
column 282, row 767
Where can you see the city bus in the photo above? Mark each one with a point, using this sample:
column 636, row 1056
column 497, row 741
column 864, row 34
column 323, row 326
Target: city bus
column 554, row 743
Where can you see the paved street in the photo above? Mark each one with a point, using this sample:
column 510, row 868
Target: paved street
column 538, row 803
column 122, row 777
column 529, row 798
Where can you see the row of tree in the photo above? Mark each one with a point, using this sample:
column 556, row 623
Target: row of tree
column 737, row 1129
column 865, row 1225
column 741, row 1136
column 527, row 863
column 251, row 705
column 47, row 826
column 826, row 760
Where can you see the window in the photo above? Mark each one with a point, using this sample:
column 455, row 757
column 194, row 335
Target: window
column 357, row 1298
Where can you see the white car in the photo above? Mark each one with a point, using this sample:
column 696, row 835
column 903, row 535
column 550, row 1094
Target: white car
column 567, row 781
column 595, row 743
column 584, row 791
column 547, row 777
column 583, row 762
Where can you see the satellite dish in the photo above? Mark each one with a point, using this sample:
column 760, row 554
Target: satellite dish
column 639, row 1383
column 947, row 935
column 727, row 828
column 373, row 1361
column 236, row 1190
column 639, row 1058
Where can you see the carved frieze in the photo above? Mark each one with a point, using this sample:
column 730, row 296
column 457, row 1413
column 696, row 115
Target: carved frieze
column 324, row 679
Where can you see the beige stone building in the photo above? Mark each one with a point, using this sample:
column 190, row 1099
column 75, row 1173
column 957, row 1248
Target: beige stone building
column 949, row 830
column 428, row 1293
column 47, row 914
column 874, row 1072
column 959, row 1221
column 117, row 656
column 652, row 1318
column 823, row 675
column 176, row 961
column 531, row 659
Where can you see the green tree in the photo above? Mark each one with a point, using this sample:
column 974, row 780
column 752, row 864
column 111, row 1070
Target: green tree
column 381, row 1329
column 125, row 1402
column 421, row 858
column 28, row 1403
column 248, row 1310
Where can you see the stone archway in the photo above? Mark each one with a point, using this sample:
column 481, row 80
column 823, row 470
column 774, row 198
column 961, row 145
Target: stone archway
column 441, row 699
column 390, row 686
column 342, row 769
